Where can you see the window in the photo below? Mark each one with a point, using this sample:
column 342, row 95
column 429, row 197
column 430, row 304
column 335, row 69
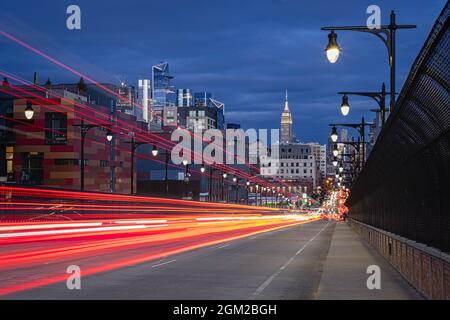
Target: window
column 65, row 162
column 56, row 128
column 10, row 163
column 104, row 163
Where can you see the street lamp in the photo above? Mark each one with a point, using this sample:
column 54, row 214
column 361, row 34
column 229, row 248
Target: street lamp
column 186, row 178
column 345, row 107
column 335, row 150
column 379, row 97
column 334, row 135
column 29, row 112
column 360, row 127
column 237, row 187
column 84, row 130
column 155, row 150
column 109, row 136
column 134, row 145
column 332, row 48
column 386, row 33
column 248, row 186
column 335, row 162
column 202, row 168
column 256, row 194
column 341, row 169
column 155, row 153
column 224, row 176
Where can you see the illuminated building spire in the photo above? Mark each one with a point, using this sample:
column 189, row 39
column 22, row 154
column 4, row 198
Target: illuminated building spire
column 286, row 122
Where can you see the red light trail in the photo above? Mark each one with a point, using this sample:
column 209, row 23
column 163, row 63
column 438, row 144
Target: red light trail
column 37, row 252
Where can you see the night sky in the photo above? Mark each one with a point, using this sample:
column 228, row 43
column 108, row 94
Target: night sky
column 245, row 52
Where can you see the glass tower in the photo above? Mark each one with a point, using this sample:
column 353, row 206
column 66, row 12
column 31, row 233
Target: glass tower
column 162, row 90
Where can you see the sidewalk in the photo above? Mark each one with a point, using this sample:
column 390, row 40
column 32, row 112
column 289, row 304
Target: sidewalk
column 344, row 271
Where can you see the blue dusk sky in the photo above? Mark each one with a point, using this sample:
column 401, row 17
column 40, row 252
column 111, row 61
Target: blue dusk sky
column 245, row 52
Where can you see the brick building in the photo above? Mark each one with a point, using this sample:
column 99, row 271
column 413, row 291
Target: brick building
column 45, row 151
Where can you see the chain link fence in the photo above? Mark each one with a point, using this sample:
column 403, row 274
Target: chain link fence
column 404, row 187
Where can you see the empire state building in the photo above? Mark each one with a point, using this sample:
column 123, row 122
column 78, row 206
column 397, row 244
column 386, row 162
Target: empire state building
column 286, row 123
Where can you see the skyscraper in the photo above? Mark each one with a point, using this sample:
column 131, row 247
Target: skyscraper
column 286, row 122
column 162, row 95
column 162, row 90
column 184, row 98
column 144, row 97
column 202, row 99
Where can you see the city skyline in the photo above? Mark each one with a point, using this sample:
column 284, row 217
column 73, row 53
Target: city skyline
column 252, row 82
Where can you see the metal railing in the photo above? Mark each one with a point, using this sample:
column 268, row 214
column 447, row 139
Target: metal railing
column 404, row 187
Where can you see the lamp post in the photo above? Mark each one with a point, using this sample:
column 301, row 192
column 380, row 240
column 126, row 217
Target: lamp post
column 256, row 194
column 133, row 146
column 224, row 176
column 155, row 153
column 361, row 129
column 84, row 130
column 211, row 171
column 264, row 195
column 386, row 33
column 186, row 178
column 379, row 97
column 235, row 180
column 248, row 186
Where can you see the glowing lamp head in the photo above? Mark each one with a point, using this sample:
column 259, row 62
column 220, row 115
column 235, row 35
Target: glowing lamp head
column 29, row 112
column 234, row 179
column 345, row 107
column 334, row 135
column 332, row 48
column 202, row 169
column 109, row 136
column 224, row 175
column 341, row 169
column 247, row 183
column 335, row 162
column 185, row 162
column 335, row 151
column 154, row 151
